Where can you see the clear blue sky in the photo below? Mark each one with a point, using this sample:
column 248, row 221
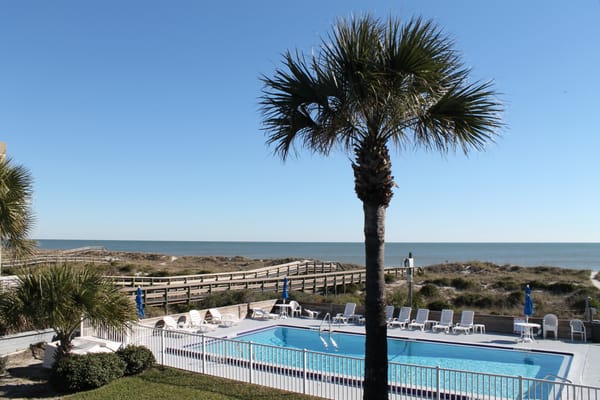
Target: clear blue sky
column 139, row 120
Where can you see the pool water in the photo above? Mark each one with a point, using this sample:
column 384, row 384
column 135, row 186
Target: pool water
column 491, row 360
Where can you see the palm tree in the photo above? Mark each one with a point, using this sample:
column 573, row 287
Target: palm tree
column 373, row 84
column 16, row 218
column 59, row 296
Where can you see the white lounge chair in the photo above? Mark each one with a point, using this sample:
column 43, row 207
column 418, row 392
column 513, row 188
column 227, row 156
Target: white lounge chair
column 222, row 319
column 402, row 319
column 550, row 324
column 199, row 323
column 466, row 322
column 577, row 328
column 259, row 313
column 389, row 314
column 445, row 321
column 312, row 314
column 348, row 313
column 419, row 321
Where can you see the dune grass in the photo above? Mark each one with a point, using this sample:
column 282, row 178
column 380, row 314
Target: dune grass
column 167, row 383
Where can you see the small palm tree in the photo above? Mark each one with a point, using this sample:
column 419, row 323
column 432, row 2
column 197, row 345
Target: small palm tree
column 371, row 85
column 59, row 297
column 16, row 218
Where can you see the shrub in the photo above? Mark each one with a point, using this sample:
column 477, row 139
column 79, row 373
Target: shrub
column 390, row 278
column 137, row 359
column 73, row 373
column 561, row 288
column 429, row 290
column 438, row 305
column 439, row 282
column 462, row 283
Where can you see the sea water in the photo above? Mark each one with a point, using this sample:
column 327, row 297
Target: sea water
column 566, row 255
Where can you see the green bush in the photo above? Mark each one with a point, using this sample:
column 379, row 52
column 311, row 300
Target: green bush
column 561, row 288
column 438, row 305
column 390, row 278
column 137, row 359
column 462, row 283
column 439, row 282
column 73, row 373
column 429, row 290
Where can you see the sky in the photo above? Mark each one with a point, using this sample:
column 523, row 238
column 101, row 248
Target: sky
column 140, row 120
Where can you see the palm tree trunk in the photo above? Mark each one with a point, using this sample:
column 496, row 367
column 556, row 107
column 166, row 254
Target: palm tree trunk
column 376, row 366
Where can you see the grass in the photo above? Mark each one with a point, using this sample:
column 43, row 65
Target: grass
column 167, row 383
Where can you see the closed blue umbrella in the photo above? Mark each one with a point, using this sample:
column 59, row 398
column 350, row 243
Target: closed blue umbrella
column 284, row 293
column 528, row 308
column 139, row 302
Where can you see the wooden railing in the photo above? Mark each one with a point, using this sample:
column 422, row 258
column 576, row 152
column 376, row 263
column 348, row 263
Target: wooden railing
column 295, row 268
column 178, row 293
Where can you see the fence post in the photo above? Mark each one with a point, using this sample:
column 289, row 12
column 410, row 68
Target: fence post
column 437, row 382
column 250, row 363
column 162, row 347
column 203, row 354
column 304, row 371
column 520, row 387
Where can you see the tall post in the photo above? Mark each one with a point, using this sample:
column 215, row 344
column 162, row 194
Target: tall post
column 409, row 264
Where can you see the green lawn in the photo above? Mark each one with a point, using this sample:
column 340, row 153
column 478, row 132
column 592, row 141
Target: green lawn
column 168, row 383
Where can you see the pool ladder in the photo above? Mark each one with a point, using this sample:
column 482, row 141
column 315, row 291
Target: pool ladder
column 326, row 321
column 326, row 326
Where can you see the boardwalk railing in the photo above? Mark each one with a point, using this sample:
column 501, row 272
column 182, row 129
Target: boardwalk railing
column 329, row 283
column 289, row 269
column 334, row 376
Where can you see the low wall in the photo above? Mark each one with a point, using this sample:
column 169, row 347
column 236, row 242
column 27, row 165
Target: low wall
column 21, row 341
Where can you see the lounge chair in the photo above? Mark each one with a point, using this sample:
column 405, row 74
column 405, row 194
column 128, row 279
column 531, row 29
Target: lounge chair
column 577, row 328
column 196, row 321
column 402, row 319
column 259, row 313
column 222, row 319
column 295, row 308
column 445, row 321
column 419, row 321
column 389, row 314
column 348, row 313
column 311, row 314
column 550, row 324
column 466, row 322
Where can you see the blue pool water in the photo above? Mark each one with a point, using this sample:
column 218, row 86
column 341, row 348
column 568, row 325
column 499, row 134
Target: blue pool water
column 490, row 360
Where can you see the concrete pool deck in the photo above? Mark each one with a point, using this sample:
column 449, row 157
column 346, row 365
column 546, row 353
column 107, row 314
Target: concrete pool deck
column 584, row 369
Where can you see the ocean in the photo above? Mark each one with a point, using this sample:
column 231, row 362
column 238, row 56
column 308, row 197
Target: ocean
column 565, row 255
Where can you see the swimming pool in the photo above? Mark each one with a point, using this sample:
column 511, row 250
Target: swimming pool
column 491, row 360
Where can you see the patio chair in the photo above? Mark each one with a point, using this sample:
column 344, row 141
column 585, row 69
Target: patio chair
column 196, row 321
column 259, row 313
column 577, row 328
column 389, row 314
column 295, row 308
column 402, row 319
column 466, row 322
column 445, row 321
column 550, row 324
column 419, row 321
column 312, row 314
column 348, row 313
column 222, row 319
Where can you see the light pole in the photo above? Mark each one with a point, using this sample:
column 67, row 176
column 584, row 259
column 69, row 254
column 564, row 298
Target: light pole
column 409, row 264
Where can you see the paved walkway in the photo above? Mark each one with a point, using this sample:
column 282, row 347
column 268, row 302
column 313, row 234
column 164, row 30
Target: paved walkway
column 584, row 369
